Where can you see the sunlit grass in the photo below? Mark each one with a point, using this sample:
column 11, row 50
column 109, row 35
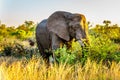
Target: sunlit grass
column 36, row 69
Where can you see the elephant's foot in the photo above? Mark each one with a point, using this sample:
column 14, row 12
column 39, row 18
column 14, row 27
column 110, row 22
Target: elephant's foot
column 51, row 59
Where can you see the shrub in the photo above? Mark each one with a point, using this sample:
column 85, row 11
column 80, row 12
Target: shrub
column 18, row 49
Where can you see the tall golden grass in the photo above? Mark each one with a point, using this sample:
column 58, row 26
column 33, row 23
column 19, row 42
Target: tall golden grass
column 36, row 69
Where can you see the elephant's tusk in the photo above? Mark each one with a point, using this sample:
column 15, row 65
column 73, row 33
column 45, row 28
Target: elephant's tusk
column 81, row 43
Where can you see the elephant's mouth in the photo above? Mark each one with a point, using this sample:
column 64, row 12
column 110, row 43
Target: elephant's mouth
column 81, row 43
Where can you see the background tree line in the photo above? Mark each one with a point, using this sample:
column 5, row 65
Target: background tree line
column 22, row 32
column 108, row 30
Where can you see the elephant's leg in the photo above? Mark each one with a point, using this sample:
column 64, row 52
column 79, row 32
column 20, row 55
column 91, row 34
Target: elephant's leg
column 55, row 44
column 41, row 49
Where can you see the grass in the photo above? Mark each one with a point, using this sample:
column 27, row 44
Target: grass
column 36, row 69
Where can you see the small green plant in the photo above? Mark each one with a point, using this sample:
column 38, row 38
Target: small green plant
column 62, row 55
column 72, row 55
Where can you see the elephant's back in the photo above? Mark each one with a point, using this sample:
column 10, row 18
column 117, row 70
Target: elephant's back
column 42, row 35
column 41, row 27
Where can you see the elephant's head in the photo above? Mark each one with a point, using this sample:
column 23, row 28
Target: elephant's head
column 77, row 27
column 67, row 26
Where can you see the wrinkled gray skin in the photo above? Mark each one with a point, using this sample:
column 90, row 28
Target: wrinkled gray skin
column 60, row 27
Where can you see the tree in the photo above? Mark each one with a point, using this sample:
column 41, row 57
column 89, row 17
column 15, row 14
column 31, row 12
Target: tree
column 106, row 22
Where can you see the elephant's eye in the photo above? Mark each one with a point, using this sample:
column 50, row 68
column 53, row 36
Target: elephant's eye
column 77, row 26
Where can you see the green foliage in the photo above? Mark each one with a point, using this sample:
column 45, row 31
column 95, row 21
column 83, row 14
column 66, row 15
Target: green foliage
column 21, row 32
column 63, row 55
column 9, row 37
column 110, row 31
column 105, row 42
column 102, row 48
column 71, row 55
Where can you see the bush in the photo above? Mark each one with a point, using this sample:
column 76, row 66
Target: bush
column 18, row 49
column 102, row 48
column 71, row 55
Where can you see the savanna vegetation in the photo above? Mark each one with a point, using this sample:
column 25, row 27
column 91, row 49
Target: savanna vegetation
column 20, row 59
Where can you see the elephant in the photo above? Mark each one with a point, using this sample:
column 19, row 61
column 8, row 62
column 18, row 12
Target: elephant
column 60, row 27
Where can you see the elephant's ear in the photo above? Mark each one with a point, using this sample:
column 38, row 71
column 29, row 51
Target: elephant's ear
column 84, row 24
column 56, row 23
